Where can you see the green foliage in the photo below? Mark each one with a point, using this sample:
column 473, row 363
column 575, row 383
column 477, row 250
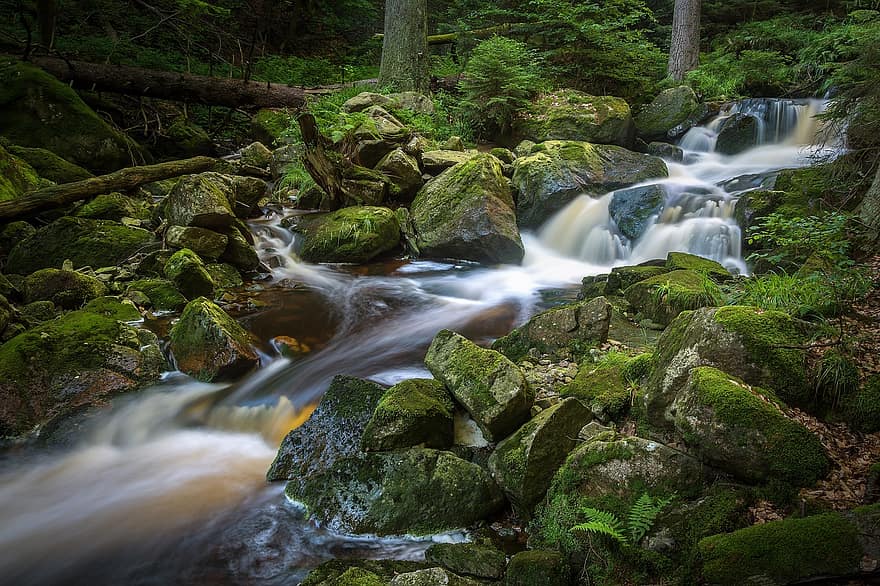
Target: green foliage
column 639, row 522
column 295, row 177
column 499, row 80
column 837, row 378
column 792, row 240
column 800, row 295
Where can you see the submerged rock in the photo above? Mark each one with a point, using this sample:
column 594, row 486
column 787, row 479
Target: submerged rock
column 411, row 413
column 573, row 115
column 354, row 234
column 209, row 345
column 468, row 213
column 488, row 385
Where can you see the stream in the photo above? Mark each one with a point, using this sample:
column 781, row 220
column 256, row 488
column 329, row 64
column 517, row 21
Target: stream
column 143, row 498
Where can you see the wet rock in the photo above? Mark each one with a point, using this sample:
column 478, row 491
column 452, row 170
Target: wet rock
column 224, row 275
column 737, row 134
column 468, row 213
column 573, row 115
column 363, row 186
column 202, row 200
column 187, row 271
column 488, row 385
column 537, row 567
column 206, row 243
column 670, row 114
column 431, row 577
column 411, row 413
column 632, row 208
column 353, row 234
column 435, row 162
column 239, row 252
column 333, row 431
column 209, row 345
column 403, row 171
column 67, row 289
column 469, row 559
column 114, row 206
column 663, row 297
column 556, row 172
column 184, row 138
column 577, row 325
column 666, row 151
column 161, row 294
column 524, row 463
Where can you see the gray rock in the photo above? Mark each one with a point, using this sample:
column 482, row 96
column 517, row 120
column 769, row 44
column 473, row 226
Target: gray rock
column 206, row 243
column 403, row 171
column 632, row 208
column 202, row 200
column 431, row 577
column 256, row 155
column 365, row 100
column 435, row 162
column 737, row 134
column 672, row 113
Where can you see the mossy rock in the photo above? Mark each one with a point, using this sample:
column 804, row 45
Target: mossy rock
column 602, row 388
column 209, row 344
column 467, row 212
column 556, row 172
column 256, row 155
column 33, row 314
column 744, row 431
column 76, row 361
column 333, row 431
column 436, row 161
column 862, row 410
column 184, row 138
column 204, row 200
column 67, row 289
column 469, row 559
column 537, row 567
column 524, row 463
column 7, row 313
column 486, row 383
column 692, row 262
column 206, row 243
column 273, row 126
column 670, row 114
column 417, row 491
column 663, row 297
column 385, row 569
column 224, row 275
column 163, row 295
column 356, row 577
column 17, row 177
column 572, row 115
column 187, row 271
column 239, row 251
column 114, row 206
column 757, row 346
column 37, row 110
column 783, row 552
column 114, row 308
column 576, row 326
column 431, row 577
column 411, row 413
column 13, row 233
column 50, row 166
column 353, row 234
column 403, row 172
column 85, row 242
column 622, row 277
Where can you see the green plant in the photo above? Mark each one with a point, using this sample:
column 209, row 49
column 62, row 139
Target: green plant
column 499, row 80
column 639, row 521
column 685, row 298
column 790, row 241
column 837, row 378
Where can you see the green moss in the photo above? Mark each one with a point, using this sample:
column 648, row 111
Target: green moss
column 353, row 234
column 273, row 127
column 862, row 410
column 622, row 277
column 692, row 262
column 469, row 559
column 356, row 577
column 602, row 389
column 638, row 368
column 187, row 271
column 668, row 110
column 537, row 568
column 572, row 115
column 385, row 569
column 49, row 165
column 768, row 337
column 162, row 294
column 783, row 551
column 114, row 206
column 16, row 176
column 663, row 297
column 412, row 412
column 68, row 289
column 113, row 308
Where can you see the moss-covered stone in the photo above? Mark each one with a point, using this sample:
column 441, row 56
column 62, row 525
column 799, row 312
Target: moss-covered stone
column 416, row 491
column 203, row 200
column 576, row 326
column 385, row 569
column 272, row 126
column 558, row 171
column 206, row 243
column 862, row 410
column 467, row 212
column 353, row 234
column 17, row 177
column 737, row 134
column 431, row 577
column 113, row 308
column 469, row 559
column 187, row 271
column 524, row 463
column 85, row 242
column 356, row 577
column 487, row 384
column 670, row 114
column 663, row 297
column 537, row 567
column 691, row 262
column 50, row 166
column 436, row 161
column 333, row 431
column 33, row 314
column 622, row 277
column 602, row 388
column 72, row 362
column 7, row 313
column 12, row 233
column 37, row 110
column 572, row 115
column 114, row 206
column 163, row 295
column 411, row 413
column 184, row 138
column 67, row 289
column 208, row 344
column 224, row 275
column 403, row 172
column 239, row 251
column 744, row 431
column 782, row 552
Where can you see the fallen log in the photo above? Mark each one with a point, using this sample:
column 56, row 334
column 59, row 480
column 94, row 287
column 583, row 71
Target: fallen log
column 49, row 198
column 167, row 85
column 325, row 169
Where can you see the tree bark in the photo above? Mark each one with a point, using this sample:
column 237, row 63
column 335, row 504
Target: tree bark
column 684, row 48
column 165, row 85
column 324, row 169
column 869, row 209
column 405, row 46
column 49, row 198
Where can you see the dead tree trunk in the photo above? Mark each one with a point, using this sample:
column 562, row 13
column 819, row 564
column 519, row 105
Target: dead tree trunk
column 405, row 46
column 49, row 198
column 684, row 48
column 324, row 166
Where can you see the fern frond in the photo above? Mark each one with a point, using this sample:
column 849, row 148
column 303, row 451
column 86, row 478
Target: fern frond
column 600, row 528
column 642, row 515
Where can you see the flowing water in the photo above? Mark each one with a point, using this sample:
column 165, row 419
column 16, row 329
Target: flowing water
column 146, row 497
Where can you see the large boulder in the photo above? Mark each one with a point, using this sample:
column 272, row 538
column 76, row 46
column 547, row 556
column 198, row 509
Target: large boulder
column 37, row 110
column 467, row 212
column 760, row 347
column 403, row 171
column 632, row 208
column 355, row 234
column 488, row 385
column 737, row 133
column 202, row 200
column 670, row 114
column 575, row 326
column 692, row 262
column 558, row 171
column 417, row 491
column 50, row 166
column 437, row 161
column 208, row 344
column 114, row 206
column 188, row 273
column 743, row 430
column 67, row 289
column 661, row 298
column 96, row 243
column 411, row 413
column 574, row 115
column 206, row 243
column 333, row 431
column 17, row 177
column 470, row 559
column 524, row 463
column 73, row 362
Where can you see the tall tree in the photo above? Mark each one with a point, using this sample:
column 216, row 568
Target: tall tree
column 684, row 50
column 405, row 45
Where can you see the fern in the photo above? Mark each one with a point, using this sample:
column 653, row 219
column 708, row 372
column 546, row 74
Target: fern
column 641, row 518
column 643, row 514
column 602, row 523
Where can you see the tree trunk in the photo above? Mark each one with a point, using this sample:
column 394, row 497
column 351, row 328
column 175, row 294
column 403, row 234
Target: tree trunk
column 405, row 46
column 684, row 49
column 58, row 195
column 869, row 210
column 165, row 85
column 325, row 169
